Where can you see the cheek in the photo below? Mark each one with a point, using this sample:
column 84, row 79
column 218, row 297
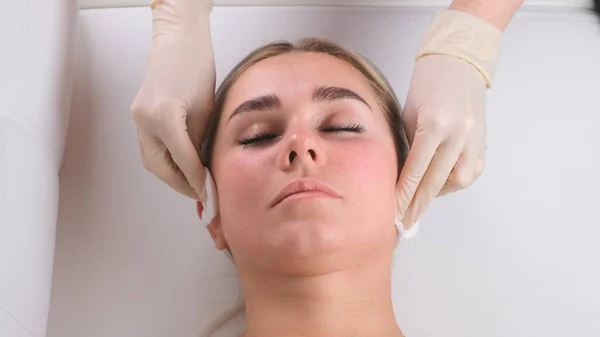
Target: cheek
column 242, row 180
column 368, row 173
column 369, row 162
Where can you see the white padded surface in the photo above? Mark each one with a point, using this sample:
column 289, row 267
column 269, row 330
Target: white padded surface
column 36, row 57
column 512, row 256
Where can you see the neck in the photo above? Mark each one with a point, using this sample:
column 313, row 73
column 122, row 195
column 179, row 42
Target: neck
column 355, row 302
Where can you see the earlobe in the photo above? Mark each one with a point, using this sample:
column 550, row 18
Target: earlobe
column 199, row 209
column 216, row 233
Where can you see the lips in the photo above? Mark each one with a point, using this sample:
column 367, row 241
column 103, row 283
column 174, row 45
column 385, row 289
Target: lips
column 301, row 186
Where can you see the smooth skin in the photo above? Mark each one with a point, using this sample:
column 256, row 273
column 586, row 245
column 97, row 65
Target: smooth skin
column 311, row 265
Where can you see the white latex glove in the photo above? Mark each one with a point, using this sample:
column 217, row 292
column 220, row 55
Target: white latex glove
column 177, row 95
column 444, row 115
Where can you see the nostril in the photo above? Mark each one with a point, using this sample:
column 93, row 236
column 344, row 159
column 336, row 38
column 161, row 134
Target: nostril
column 313, row 154
column 292, row 156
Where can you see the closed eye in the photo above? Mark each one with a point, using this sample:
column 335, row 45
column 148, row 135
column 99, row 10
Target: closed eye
column 257, row 139
column 264, row 137
column 357, row 128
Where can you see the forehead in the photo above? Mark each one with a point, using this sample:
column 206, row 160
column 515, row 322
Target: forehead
column 294, row 76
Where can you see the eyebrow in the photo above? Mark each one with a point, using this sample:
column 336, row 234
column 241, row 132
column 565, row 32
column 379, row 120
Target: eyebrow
column 321, row 94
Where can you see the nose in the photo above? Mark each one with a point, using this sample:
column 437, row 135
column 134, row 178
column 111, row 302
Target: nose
column 302, row 149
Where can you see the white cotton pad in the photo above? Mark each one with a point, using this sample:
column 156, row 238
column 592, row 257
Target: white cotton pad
column 404, row 233
column 210, row 185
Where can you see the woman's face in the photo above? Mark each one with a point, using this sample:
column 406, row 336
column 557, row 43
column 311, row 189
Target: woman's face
column 312, row 121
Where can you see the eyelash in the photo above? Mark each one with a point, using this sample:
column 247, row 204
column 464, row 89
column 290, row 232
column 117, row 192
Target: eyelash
column 266, row 136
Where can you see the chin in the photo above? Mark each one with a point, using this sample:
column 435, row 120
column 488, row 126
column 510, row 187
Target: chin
column 319, row 246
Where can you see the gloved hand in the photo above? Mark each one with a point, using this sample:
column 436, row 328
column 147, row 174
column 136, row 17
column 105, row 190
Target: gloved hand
column 444, row 115
column 177, row 95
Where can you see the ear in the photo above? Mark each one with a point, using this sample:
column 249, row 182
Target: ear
column 216, row 232
column 199, row 209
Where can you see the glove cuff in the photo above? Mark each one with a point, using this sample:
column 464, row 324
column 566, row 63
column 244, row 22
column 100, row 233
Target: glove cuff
column 459, row 34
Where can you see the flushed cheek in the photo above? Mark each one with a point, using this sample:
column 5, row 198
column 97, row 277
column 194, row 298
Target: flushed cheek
column 245, row 178
column 369, row 177
column 242, row 187
column 367, row 162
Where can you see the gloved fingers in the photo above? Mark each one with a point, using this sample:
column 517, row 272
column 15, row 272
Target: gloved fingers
column 447, row 189
column 435, row 177
column 183, row 153
column 157, row 159
column 420, row 156
column 464, row 172
column 196, row 124
column 480, row 165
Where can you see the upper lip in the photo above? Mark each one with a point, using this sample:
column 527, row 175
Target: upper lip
column 303, row 185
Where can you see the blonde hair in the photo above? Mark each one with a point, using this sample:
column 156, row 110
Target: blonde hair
column 386, row 98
